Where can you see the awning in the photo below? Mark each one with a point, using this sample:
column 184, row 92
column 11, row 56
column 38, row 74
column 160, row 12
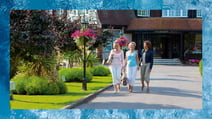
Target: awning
column 172, row 24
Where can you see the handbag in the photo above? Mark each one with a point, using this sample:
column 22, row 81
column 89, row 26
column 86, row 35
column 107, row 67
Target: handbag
column 124, row 79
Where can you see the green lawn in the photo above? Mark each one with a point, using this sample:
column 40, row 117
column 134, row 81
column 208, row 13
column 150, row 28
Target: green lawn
column 58, row 101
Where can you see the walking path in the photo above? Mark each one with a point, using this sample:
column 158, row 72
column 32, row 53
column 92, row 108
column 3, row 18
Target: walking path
column 171, row 87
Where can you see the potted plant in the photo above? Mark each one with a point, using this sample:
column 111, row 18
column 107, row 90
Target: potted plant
column 123, row 42
column 84, row 35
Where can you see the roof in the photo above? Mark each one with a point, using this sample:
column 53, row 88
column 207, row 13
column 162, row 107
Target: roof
column 180, row 24
column 116, row 17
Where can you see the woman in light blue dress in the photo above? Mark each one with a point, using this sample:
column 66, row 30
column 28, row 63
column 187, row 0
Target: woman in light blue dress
column 132, row 65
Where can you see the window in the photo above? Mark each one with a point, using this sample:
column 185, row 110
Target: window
column 178, row 13
column 82, row 12
column 174, row 13
column 78, row 12
column 145, row 13
column 75, row 12
column 199, row 14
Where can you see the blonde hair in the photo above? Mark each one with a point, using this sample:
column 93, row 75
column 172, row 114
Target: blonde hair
column 132, row 43
column 116, row 43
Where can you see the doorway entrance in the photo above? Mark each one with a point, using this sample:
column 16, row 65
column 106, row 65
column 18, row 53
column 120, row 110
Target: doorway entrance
column 166, row 46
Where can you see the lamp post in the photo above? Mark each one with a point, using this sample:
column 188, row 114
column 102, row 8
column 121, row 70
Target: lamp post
column 84, row 24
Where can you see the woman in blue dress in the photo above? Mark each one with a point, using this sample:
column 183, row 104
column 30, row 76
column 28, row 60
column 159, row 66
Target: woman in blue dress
column 132, row 65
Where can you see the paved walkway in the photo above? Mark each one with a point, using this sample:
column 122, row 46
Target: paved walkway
column 172, row 87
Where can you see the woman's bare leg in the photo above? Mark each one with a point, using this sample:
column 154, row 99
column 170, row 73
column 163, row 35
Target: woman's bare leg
column 115, row 88
column 143, row 85
column 131, row 89
column 147, row 90
column 119, row 86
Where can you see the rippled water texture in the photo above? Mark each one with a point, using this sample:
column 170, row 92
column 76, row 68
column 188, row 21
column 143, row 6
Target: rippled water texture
column 6, row 5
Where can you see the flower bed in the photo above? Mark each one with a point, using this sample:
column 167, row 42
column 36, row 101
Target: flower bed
column 193, row 61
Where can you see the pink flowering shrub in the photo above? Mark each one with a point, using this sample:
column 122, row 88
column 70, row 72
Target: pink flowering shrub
column 194, row 60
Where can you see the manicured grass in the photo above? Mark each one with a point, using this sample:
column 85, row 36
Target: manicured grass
column 58, row 101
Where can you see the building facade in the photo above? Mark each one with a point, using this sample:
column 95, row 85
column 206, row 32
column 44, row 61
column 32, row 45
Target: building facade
column 173, row 33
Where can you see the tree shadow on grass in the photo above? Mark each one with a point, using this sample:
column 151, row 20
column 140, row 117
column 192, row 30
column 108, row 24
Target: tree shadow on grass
column 100, row 82
column 81, row 94
column 77, row 93
column 63, row 103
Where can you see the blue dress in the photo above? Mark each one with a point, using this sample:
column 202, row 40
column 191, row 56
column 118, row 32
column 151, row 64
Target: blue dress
column 131, row 59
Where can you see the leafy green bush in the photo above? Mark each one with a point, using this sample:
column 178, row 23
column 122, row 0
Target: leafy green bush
column 108, row 70
column 52, row 89
column 62, row 87
column 35, row 85
column 20, row 83
column 90, row 69
column 101, row 71
column 75, row 74
column 200, row 67
column 65, row 72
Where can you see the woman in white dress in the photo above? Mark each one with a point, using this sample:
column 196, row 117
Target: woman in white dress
column 117, row 65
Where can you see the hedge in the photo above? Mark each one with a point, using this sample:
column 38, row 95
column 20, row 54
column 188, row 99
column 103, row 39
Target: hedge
column 34, row 85
column 75, row 74
column 101, row 70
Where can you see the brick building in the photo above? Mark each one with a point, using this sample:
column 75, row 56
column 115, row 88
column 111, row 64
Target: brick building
column 173, row 33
